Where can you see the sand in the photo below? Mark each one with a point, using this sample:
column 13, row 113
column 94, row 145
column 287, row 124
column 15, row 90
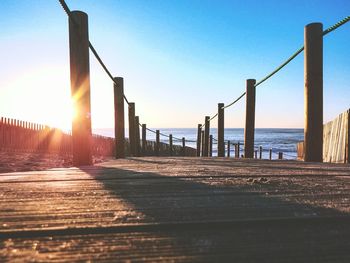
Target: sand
column 12, row 161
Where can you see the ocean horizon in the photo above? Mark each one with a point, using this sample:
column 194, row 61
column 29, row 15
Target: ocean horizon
column 278, row 139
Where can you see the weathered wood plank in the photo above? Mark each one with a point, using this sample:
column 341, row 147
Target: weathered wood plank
column 264, row 242
column 177, row 209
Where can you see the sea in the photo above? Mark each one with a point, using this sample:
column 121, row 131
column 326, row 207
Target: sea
column 277, row 139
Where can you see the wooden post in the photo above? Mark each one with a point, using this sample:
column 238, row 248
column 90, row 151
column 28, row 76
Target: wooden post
column 238, row 149
column 210, row 145
column 249, row 119
column 313, row 77
column 270, row 154
column 256, row 154
column 144, row 142
column 199, row 139
column 171, row 145
column 157, row 146
column 228, row 148
column 221, row 130
column 206, row 136
column 137, row 136
column 202, row 143
column 347, row 150
column 183, row 146
column 280, row 155
column 260, row 152
column 119, row 125
column 80, row 88
column 132, row 129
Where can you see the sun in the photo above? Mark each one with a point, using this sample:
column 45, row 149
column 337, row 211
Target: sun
column 40, row 96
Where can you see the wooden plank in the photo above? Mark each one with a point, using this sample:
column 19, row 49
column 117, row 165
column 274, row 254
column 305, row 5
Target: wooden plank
column 244, row 243
column 165, row 207
column 335, row 139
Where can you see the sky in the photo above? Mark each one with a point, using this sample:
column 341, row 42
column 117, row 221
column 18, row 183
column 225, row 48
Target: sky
column 179, row 59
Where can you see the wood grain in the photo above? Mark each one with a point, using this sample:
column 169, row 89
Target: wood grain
column 178, row 209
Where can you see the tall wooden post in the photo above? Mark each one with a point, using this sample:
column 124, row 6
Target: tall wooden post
column 238, row 149
column 347, row 150
column 228, row 148
column 206, row 136
column 137, row 136
column 144, row 142
column 80, row 88
column 313, row 77
column 132, row 129
column 199, row 139
column 203, row 141
column 171, row 145
column 210, row 145
column 249, row 119
column 119, row 125
column 221, row 130
column 157, row 146
column 183, row 146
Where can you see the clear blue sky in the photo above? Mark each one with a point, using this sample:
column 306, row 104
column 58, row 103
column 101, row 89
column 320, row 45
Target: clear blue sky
column 178, row 58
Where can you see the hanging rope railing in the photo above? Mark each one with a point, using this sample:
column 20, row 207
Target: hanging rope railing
column 291, row 58
column 294, row 55
column 166, row 135
column 93, row 50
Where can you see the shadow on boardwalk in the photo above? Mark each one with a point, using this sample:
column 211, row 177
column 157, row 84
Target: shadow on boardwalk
column 214, row 215
column 179, row 209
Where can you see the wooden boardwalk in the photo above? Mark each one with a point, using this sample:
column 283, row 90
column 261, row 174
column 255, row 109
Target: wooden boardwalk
column 178, row 209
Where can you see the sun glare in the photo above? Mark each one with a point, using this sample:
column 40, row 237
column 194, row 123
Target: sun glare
column 40, row 96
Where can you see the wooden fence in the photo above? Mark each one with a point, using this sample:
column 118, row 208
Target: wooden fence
column 336, row 139
column 16, row 135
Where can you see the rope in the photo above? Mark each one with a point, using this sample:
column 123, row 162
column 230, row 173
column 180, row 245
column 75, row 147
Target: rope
column 281, row 66
column 336, row 25
column 212, row 118
column 325, row 32
column 93, row 50
column 235, row 101
column 225, row 107
column 166, row 135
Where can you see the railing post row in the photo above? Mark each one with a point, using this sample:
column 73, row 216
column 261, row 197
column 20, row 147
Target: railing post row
column 313, row 78
column 119, row 123
column 183, row 146
column 221, row 130
column 249, row 119
column 206, row 136
column 203, row 142
column 210, row 145
column 228, row 148
column 144, row 140
column 171, row 145
column 199, row 139
column 132, row 142
column 157, row 145
column 137, row 136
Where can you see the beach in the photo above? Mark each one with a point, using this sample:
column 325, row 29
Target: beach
column 15, row 161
